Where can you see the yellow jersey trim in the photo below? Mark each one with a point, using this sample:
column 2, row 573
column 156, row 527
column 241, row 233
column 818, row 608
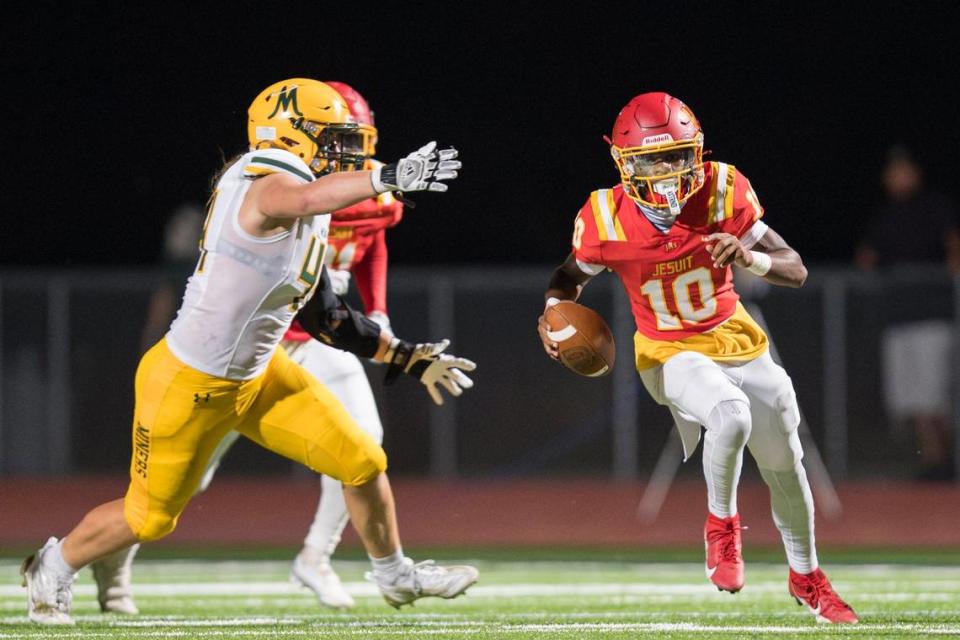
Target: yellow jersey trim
column 605, row 215
column 728, row 192
column 720, row 203
column 597, row 216
column 738, row 339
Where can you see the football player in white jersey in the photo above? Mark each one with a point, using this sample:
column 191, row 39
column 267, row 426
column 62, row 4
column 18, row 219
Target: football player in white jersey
column 357, row 246
column 219, row 368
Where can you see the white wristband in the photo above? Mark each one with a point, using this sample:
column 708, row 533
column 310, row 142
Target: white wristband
column 761, row 263
column 375, row 180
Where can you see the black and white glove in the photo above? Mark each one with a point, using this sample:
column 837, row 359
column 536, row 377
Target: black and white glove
column 422, row 170
column 427, row 362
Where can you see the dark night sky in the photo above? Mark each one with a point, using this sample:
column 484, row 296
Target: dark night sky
column 113, row 116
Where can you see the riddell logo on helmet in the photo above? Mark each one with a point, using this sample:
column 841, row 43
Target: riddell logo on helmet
column 663, row 137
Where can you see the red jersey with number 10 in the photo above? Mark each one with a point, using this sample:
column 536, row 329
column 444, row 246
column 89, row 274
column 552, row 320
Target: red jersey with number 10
column 674, row 290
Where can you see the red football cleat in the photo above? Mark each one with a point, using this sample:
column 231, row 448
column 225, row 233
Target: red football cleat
column 724, row 561
column 814, row 591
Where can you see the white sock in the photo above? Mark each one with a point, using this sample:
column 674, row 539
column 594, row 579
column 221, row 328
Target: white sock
column 728, row 428
column 388, row 566
column 330, row 519
column 792, row 504
column 53, row 561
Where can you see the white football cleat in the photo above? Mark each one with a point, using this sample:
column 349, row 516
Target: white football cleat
column 415, row 581
column 112, row 574
column 48, row 595
column 313, row 571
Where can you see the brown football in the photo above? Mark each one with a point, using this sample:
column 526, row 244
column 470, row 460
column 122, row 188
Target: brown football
column 585, row 341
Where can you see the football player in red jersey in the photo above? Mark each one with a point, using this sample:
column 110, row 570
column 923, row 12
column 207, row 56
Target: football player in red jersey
column 357, row 246
column 671, row 230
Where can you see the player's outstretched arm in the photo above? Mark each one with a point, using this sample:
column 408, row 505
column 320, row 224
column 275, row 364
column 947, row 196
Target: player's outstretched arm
column 426, row 169
column 773, row 259
column 566, row 283
column 329, row 319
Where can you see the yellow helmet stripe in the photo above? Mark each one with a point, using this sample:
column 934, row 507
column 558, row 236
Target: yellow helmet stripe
column 597, row 216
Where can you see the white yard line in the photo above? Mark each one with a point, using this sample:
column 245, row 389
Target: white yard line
column 885, row 591
column 248, row 567
column 369, row 589
column 227, row 629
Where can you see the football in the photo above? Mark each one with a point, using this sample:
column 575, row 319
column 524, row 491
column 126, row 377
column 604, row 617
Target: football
column 585, row 341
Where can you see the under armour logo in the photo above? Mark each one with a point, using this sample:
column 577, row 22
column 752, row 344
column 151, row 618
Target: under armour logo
column 197, row 397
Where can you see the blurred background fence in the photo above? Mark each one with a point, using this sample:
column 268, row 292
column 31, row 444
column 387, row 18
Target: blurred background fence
column 70, row 342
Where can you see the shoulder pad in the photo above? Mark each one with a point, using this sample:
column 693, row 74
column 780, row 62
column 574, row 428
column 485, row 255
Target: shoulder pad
column 603, row 205
column 721, row 189
column 266, row 161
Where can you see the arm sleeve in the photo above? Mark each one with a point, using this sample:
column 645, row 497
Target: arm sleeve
column 371, row 275
column 332, row 321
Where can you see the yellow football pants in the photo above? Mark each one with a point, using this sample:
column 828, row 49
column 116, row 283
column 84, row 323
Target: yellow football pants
column 182, row 414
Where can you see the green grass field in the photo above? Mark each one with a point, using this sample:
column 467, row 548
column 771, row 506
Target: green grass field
column 606, row 596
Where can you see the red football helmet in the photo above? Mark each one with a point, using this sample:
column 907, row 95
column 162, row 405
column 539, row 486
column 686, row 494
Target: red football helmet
column 360, row 110
column 658, row 147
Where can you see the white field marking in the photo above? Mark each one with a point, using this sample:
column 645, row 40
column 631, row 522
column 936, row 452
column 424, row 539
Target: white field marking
column 255, row 633
column 931, row 591
column 362, row 589
column 470, row 628
column 204, row 567
column 244, row 569
column 367, row 589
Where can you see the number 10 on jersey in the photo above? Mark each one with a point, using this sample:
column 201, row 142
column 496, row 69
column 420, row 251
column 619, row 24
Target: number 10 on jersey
column 685, row 309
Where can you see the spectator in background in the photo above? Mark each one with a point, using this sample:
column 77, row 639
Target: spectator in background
column 915, row 226
column 181, row 237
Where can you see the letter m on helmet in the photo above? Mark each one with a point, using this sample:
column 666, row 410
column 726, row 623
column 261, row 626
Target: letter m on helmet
column 285, row 100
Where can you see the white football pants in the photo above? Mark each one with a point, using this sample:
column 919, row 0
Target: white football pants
column 750, row 404
column 343, row 374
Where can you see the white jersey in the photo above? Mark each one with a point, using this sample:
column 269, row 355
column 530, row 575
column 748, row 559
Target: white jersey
column 246, row 290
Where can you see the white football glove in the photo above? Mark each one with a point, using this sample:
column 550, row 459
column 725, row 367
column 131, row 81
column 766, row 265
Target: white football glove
column 427, row 362
column 339, row 281
column 422, row 170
